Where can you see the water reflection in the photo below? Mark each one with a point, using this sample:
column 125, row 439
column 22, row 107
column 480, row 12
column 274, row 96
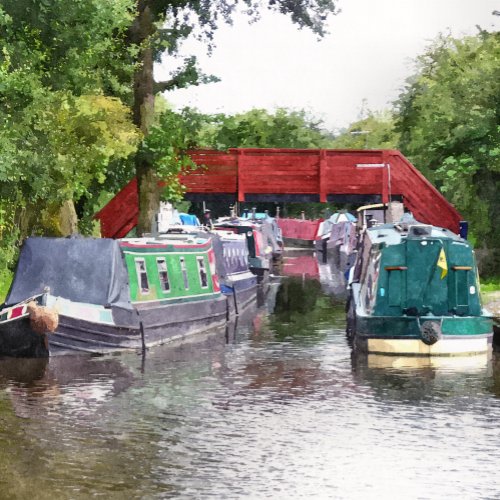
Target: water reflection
column 420, row 377
column 79, row 383
column 329, row 272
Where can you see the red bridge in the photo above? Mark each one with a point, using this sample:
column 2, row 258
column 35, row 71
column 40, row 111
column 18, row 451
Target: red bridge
column 297, row 175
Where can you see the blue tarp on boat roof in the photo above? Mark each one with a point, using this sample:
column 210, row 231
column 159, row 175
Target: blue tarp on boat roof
column 88, row 270
column 189, row 220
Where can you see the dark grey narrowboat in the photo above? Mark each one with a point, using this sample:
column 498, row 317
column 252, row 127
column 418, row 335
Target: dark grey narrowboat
column 110, row 295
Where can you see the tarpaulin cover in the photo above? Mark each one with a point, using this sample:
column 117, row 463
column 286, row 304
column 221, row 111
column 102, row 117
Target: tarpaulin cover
column 189, row 219
column 78, row 269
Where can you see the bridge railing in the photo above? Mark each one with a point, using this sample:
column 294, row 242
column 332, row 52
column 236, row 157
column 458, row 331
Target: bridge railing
column 297, row 175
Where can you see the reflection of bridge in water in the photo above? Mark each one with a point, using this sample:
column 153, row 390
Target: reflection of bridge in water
column 297, row 175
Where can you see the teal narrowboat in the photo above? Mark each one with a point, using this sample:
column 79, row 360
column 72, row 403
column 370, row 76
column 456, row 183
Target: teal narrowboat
column 415, row 291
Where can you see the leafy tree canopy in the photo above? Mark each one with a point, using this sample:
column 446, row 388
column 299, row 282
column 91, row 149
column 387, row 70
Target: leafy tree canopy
column 60, row 64
column 79, row 45
column 448, row 117
column 376, row 131
column 259, row 128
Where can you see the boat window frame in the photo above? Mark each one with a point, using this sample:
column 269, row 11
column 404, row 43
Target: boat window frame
column 166, row 280
column 200, row 259
column 184, row 272
column 140, row 274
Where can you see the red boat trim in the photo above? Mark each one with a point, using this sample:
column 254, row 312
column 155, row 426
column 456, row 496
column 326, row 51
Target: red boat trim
column 164, row 245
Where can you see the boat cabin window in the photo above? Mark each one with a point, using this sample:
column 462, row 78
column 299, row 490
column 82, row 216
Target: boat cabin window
column 163, row 274
column 182, row 261
column 202, row 272
column 142, row 276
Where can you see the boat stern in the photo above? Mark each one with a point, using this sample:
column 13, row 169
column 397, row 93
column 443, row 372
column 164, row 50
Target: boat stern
column 424, row 336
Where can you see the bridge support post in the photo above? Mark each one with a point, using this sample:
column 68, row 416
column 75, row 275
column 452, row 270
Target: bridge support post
column 385, row 178
column 240, row 175
column 322, row 173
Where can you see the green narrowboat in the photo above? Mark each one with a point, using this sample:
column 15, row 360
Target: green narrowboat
column 415, row 291
column 99, row 295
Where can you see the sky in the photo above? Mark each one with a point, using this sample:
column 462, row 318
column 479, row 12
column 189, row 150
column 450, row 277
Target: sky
column 367, row 55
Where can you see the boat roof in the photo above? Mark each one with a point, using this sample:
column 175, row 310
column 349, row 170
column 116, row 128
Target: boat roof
column 87, row 270
column 229, row 235
column 393, row 234
column 165, row 240
column 341, row 217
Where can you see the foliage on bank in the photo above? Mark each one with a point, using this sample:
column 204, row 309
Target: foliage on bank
column 448, row 118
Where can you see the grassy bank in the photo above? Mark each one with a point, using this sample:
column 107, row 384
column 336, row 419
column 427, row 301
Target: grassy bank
column 5, row 281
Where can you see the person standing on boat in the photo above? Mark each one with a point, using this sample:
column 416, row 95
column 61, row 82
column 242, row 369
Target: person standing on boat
column 207, row 218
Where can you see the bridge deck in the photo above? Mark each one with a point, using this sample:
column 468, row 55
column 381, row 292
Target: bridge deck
column 286, row 175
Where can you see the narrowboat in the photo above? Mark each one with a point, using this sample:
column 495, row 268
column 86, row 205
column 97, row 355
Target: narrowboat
column 259, row 253
column 237, row 282
column 100, row 295
column 337, row 241
column 337, row 234
column 415, row 291
column 270, row 230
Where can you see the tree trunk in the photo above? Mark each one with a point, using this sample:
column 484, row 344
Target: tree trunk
column 143, row 109
column 68, row 220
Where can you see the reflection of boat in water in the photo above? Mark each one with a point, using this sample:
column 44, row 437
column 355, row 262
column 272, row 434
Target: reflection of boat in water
column 300, row 263
column 332, row 279
column 415, row 291
column 78, row 382
column 310, row 265
column 416, row 377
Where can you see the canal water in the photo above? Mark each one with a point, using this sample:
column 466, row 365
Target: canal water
column 276, row 406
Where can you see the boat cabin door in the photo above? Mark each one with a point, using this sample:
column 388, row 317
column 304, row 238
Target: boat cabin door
column 426, row 277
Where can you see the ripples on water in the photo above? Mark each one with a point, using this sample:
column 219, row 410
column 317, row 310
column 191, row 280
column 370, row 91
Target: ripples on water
column 283, row 410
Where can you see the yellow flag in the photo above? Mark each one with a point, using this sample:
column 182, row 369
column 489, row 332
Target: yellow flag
column 442, row 263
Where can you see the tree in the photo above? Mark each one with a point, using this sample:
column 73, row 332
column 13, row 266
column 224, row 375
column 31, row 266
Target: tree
column 448, row 119
column 376, row 131
column 180, row 18
column 58, row 128
column 65, row 73
column 259, row 128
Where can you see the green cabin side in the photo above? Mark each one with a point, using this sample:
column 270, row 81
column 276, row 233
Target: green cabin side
column 408, row 279
column 169, row 273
